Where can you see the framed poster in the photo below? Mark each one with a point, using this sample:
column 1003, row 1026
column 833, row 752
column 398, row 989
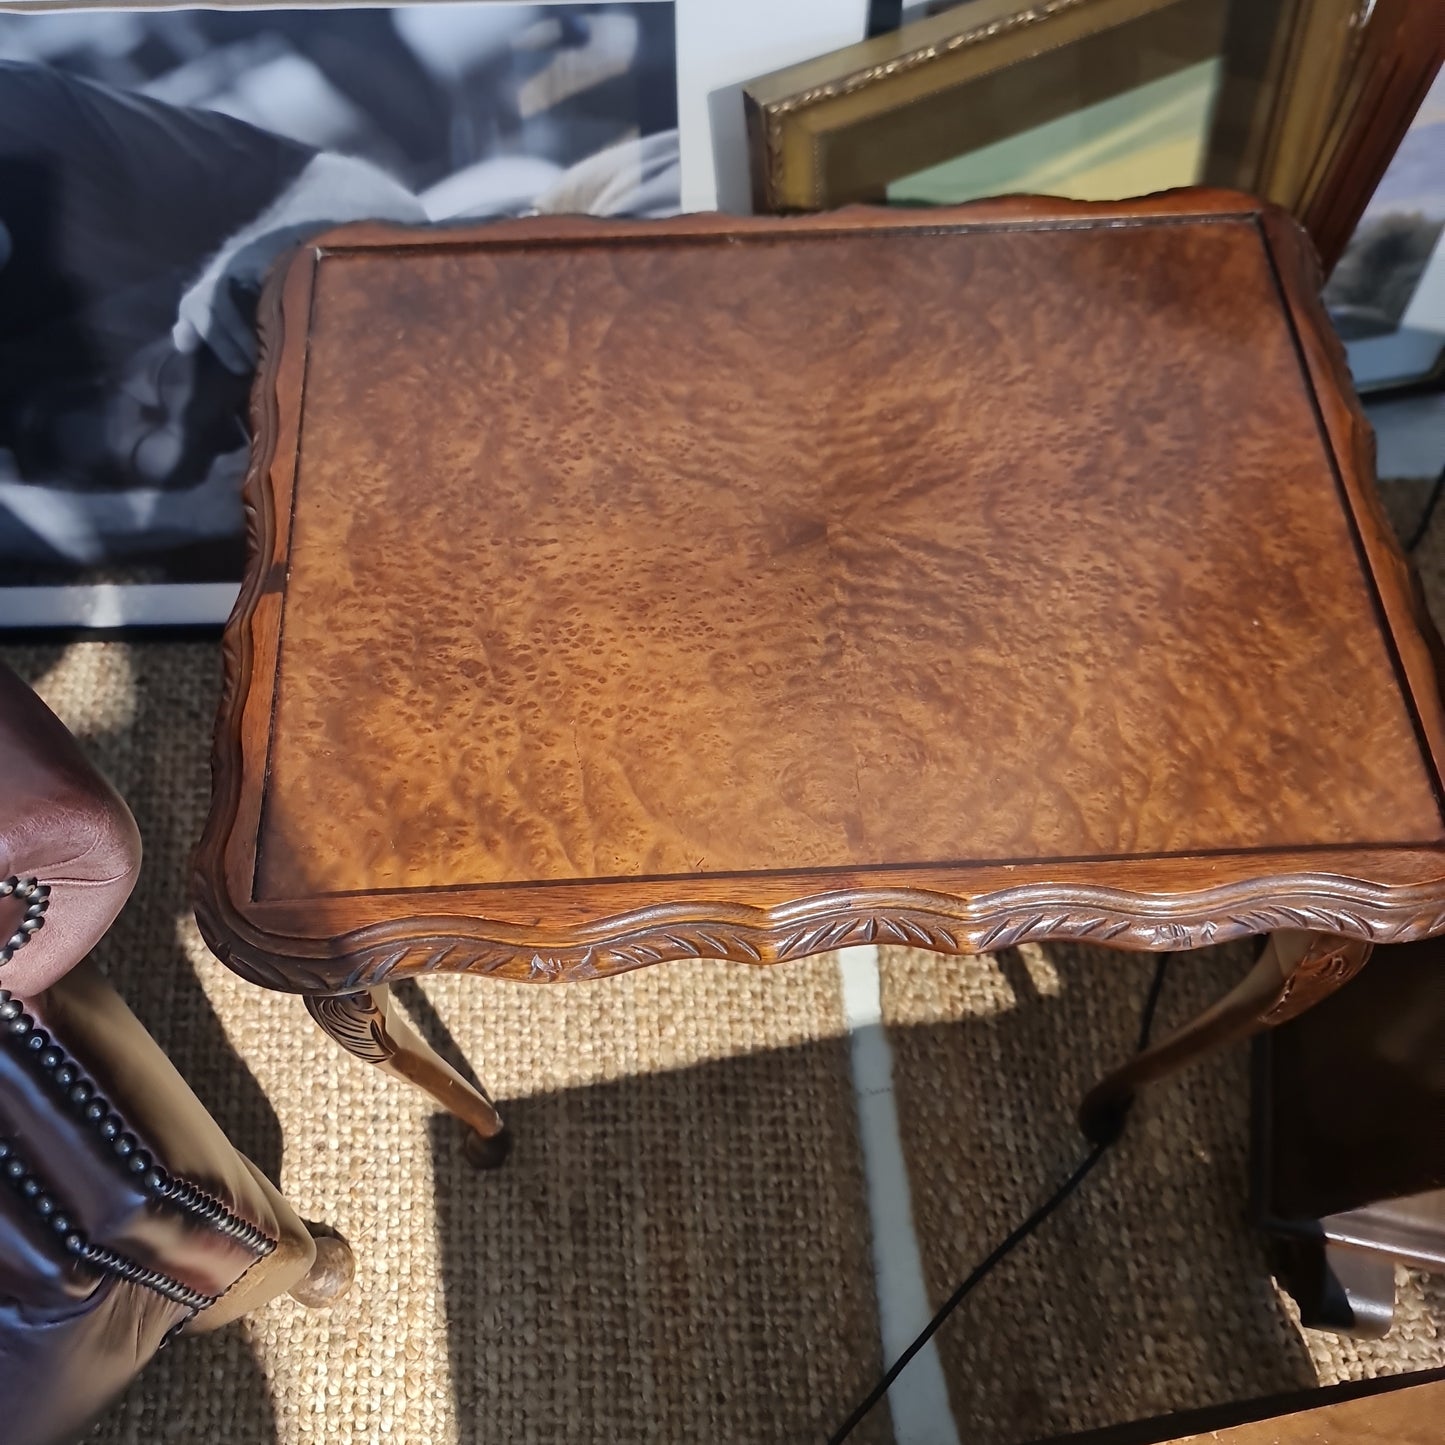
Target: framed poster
column 154, row 163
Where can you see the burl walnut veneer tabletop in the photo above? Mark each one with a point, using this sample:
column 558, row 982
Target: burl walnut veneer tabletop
column 628, row 591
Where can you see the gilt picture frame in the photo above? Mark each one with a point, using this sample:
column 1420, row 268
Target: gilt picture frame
column 849, row 126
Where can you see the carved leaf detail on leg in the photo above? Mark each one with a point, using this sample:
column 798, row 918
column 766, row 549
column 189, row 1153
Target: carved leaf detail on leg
column 356, row 1023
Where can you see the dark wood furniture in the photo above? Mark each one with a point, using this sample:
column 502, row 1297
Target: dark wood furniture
column 1399, row 1410
column 126, row 1214
column 1349, row 1141
column 1394, row 59
column 623, row 592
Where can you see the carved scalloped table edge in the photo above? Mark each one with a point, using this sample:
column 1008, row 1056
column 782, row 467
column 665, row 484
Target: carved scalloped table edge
column 742, row 933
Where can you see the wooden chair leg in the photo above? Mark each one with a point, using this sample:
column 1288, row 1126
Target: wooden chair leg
column 1295, row 970
column 368, row 1025
column 330, row 1276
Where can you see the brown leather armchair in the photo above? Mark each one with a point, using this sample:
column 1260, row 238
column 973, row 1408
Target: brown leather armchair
column 125, row 1213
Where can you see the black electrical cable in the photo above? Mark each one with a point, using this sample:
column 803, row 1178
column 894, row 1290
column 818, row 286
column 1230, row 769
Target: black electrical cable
column 956, row 1298
column 1151, row 1002
column 1081, row 1172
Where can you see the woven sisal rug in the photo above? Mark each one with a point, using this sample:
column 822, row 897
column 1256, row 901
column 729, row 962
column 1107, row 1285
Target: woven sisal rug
column 678, row 1250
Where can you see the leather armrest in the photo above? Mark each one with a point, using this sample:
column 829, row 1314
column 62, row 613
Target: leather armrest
column 132, row 1162
column 109, row 1048
column 62, row 823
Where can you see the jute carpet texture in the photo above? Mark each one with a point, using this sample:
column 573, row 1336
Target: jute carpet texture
column 679, row 1248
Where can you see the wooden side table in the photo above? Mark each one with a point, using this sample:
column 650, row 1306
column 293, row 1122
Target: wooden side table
column 623, row 592
column 1349, row 1141
column 1397, row 1410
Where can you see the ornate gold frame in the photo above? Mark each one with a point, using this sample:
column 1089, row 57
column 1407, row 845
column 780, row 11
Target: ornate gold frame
column 838, row 128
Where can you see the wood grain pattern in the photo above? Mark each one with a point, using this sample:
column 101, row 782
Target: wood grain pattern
column 1403, row 1410
column 791, row 618
column 1403, row 1417
column 635, row 591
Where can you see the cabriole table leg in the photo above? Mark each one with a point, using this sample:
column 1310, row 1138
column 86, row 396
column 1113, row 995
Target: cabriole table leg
column 367, row 1024
column 1295, row 970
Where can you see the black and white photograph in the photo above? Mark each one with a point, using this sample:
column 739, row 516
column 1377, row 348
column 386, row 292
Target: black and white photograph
column 153, row 167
